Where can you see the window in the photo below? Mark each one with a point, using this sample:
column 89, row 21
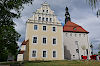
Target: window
column 66, row 34
column 73, row 56
column 34, row 53
column 47, row 11
column 74, row 28
column 46, row 19
column 43, row 19
column 54, row 28
column 39, row 18
column 34, row 39
column 54, row 40
column 79, row 35
column 44, row 28
column 54, row 53
column 75, row 35
column 84, row 35
column 77, row 50
column 44, row 53
column 76, row 42
column 71, row 34
column 87, row 51
column 35, row 27
column 50, row 19
column 43, row 10
column 44, row 40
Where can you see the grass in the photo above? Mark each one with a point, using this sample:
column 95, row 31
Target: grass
column 56, row 63
column 63, row 63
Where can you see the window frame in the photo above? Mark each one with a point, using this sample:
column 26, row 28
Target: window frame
column 33, row 40
column 43, row 53
column 36, row 27
column 53, row 54
column 53, row 40
column 44, row 42
column 43, row 28
column 47, row 19
column 53, row 29
column 35, row 54
column 43, row 19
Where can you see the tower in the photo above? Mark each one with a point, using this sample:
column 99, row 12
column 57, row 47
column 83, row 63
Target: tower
column 44, row 33
column 67, row 15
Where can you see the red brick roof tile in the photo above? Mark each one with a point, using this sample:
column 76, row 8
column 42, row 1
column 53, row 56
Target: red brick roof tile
column 24, row 42
column 72, row 27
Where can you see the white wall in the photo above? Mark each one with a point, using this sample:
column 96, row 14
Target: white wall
column 70, row 46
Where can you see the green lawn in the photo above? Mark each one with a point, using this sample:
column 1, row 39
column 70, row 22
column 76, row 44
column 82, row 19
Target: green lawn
column 55, row 63
column 64, row 63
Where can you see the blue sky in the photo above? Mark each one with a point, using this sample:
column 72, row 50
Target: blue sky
column 80, row 11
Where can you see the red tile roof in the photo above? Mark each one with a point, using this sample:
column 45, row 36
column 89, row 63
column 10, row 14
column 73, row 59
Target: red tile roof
column 24, row 42
column 72, row 27
column 21, row 52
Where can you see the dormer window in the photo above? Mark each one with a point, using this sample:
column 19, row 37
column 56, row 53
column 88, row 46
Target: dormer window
column 74, row 28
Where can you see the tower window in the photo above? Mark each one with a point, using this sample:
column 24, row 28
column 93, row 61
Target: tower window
column 34, row 39
column 44, row 40
column 35, row 27
column 54, row 53
column 34, row 53
column 44, row 28
column 44, row 53
column 54, row 40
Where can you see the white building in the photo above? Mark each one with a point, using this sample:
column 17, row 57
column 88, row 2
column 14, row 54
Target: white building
column 76, row 43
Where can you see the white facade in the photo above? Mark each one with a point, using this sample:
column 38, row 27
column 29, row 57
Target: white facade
column 74, row 41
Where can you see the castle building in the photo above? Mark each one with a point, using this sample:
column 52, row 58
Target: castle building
column 44, row 33
column 76, row 43
column 47, row 39
column 75, row 40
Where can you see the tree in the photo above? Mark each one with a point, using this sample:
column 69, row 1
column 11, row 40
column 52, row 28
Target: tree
column 8, row 34
column 94, row 4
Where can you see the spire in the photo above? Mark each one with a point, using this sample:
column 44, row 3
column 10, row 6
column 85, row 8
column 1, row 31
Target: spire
column 67, row 15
